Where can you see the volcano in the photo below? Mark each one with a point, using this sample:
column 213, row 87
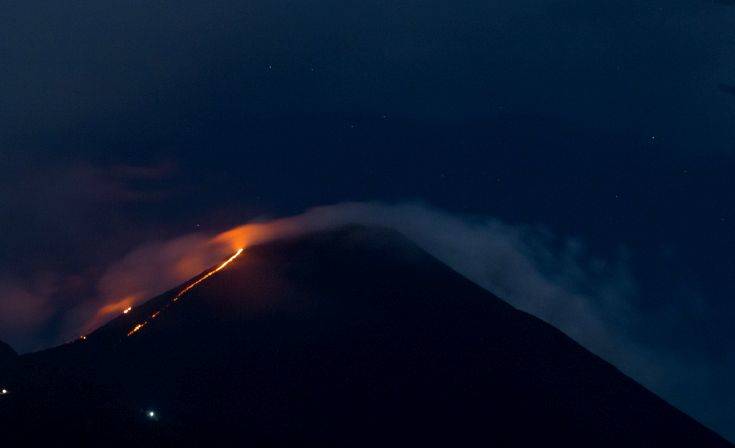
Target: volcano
column 349, row 337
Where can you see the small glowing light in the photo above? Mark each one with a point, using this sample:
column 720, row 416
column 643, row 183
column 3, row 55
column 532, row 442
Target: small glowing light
column 151, row 414
column 127, row 310
column 83, row 338
column 4, row 391
column 136, row 328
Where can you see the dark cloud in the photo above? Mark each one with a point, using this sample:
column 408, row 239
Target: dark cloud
column 23, row 312
column 727, row 88
column 62, row 218
column 149, row 75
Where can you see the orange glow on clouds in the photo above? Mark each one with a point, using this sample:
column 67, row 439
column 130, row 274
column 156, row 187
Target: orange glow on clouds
column 121, row 306
column 156, row 267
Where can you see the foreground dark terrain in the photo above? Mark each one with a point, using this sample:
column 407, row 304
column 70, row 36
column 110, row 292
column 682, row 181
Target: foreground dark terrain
column 345, row 338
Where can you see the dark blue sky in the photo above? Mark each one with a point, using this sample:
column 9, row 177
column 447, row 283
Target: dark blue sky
column 613, row 122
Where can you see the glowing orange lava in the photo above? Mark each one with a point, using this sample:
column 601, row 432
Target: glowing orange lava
column 116, row 307
column 137, row 327
column 211, row 273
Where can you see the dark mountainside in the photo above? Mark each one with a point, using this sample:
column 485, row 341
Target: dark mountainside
column 6, row 352
column 343, row 338
column 8, row 358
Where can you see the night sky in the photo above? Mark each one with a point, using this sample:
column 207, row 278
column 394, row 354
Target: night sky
column 609, row 123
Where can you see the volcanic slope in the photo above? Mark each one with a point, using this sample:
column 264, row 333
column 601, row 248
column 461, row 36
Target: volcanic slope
column 351, row 337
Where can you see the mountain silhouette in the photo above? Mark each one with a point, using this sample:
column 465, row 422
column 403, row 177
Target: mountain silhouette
column 351, row 337
column 8, row 358
column 6, row 352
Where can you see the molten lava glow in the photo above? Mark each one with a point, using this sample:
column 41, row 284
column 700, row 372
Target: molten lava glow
column 137, row 327
column 181, row 293
column 117, row 307
column 109, row 311
column 209, row 274
column 159, row 266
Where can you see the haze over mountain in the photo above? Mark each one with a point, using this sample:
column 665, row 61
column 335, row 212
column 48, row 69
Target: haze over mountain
column 606, row 125
column 347, row 337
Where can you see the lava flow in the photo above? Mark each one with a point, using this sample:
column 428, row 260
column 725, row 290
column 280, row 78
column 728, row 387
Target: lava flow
column 211, row 273
column 181, row 293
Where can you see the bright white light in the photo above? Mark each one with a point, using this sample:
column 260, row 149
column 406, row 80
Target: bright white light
column 151, row 414
column 4, row 391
